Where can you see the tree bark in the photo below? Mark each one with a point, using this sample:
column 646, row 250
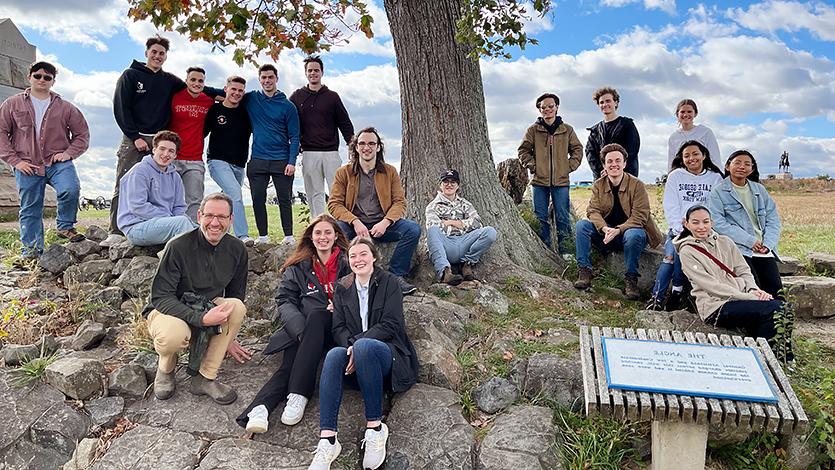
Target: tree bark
column 445, row 127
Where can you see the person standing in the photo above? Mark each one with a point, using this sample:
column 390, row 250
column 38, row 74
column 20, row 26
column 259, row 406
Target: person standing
column 40, row 136
column 613, row 129
column 321, row 114
column 686, row 112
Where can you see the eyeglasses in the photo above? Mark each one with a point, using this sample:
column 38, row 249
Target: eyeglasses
column 220, row 218
column 449, row 182
column 367, row 144
column 547, row 106
column 40, row 76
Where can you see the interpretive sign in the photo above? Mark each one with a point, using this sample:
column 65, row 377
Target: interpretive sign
column 700, row 370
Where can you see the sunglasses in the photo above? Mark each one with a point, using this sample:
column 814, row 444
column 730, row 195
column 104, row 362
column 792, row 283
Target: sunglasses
column 46, row 78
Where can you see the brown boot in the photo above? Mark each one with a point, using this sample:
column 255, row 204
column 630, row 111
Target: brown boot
column 448, row 277
column 583, row 279
column 221, row 393
column 631, row 289
column 467, row 271
column 71, row 234
column 164, row 385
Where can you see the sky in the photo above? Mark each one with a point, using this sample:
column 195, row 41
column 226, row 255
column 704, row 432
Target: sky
column 762, row 74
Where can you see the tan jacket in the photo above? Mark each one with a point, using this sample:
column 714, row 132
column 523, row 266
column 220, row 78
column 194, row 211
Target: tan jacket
column 550, row 158
column 635, row 202
column 712, row 286
column 344, row 193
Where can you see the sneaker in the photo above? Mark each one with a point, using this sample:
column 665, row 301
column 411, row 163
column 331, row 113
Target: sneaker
column 71, row 234
column 262, row 239
column 375, row 447
column 288, row 240
column 221, row 393
column 294, row 409
column 248, row 241
column 405, row 287
column 447, row 277
column 112, row 239
column 568, row 257
column 164, row 385
column 654, row 304
column 674, row 301
column 583, row 279
column 259, row 420
column 325, row 454
column 467, row 271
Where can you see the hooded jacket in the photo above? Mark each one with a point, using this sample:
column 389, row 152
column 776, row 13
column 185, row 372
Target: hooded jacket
column 321, row 114
column 142, row 100
column 712, row 286
column 622, row 131
column 699, row 133
column 730, row 217
column 147, row 193
column 635, row 203
column 550, row 157
column 275, row 126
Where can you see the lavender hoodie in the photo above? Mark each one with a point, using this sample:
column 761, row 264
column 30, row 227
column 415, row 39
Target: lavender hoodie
column 146, row 193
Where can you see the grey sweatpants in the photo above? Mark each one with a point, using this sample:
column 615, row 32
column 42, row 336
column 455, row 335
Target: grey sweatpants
column 193, row 173
column 318, row 168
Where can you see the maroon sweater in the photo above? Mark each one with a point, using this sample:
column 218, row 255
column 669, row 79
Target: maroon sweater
column 321, row 113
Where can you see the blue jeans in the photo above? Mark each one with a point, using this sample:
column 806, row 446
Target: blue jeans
column 158, row 231
column 542, row 195
column 467, row 248
column 405, row 232
column 632, row 242
column 670, row 270
column 30, row 189
column 230, row 178
column 372, row 364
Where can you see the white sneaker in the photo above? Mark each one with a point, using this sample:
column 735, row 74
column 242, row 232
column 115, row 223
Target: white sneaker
column 248, row 241
column 294, row 409
column 375, row 447
column 259, row 420
column 112, row 239
column 288, row 240
column 262, row 239
column 325, row 454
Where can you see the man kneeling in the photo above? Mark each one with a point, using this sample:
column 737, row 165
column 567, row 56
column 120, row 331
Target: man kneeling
column 197, row 302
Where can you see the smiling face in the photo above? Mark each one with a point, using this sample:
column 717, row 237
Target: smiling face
column 607, row 104
column 164, row 153
column 268, row 81
column 361, row 260
column 323, row 237
column 693, row 159
column 699, row 223
column 367, row 147
column 685, row 115
column 234, row 93
column 449, row 187
column 614, row 164
column 740, row 168
column 156, row 56
column 195, row 81
column 214, row 220
column 548, row 109
column 41, row 81
column 313, row 72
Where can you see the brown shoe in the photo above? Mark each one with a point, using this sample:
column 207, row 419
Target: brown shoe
column 631, row 289
column 164, row 385
column 467, row 271
column 583, row 279
column 221, row 393
column 447, row 277
column 71, row 234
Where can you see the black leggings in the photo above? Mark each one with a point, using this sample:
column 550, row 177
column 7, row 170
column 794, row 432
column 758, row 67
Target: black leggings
column 766, row 274
column 756, row 317
column 259, row 173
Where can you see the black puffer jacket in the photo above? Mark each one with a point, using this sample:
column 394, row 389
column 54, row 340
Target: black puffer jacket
column 619, row 131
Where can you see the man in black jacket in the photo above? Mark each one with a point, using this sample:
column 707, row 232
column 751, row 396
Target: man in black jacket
column 200, row 267
column 613, row 129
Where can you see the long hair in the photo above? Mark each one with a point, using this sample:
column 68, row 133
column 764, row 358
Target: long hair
column 707, row 163
column 354, row 156
column 755, row 172
column 305, row 249
column 685, row 232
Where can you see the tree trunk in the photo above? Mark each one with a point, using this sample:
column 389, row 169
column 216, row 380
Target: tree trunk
column 445, row 127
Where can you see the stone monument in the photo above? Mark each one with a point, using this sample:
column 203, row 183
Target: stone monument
column 783, row 168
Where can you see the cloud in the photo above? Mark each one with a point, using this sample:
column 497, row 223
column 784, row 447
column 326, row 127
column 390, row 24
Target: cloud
column 86, row 22
column 775, row 15
column 667, row 6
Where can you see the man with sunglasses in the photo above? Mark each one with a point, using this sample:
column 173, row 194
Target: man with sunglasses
column 40, row 136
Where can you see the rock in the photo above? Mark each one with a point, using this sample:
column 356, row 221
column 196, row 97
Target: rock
column 257, row 260
column 20, row 408
column 438, row 365
column 99, row 271
column 260, row 295
column 521, row 438
column 84, row 290
column 129, row 380
column 426, row 315
column 16, row 354
column 788, row 266
column 812, row 296
column 275, row 256
column 149, row 363
column 495, row 394
column 801, row 453
column 150, row 448
column 514, row 178
column 240, row 454
column 88, row 335
column 95, row 233
column 490, row 298
column 678, row 320
column 428, row 431
column 104, row 411
column 59, row 429
column 822, row 262
column 108, row 317
column 554, row 377
column 55, row 258
column 75, row 377
column 125, row 249
column 561, row 336
column 136, row 278
column 24, row 455
column 82, row 248
column 648, row 264
column 83, row 455
column 121, row 266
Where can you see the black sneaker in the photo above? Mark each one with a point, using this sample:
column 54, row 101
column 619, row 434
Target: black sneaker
column 674, row 301
column 405, row 287
column 654, row 304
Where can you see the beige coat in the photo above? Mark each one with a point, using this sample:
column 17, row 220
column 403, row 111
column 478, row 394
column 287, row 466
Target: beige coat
column 550, row 158
column 712, row 286
column 635, row 202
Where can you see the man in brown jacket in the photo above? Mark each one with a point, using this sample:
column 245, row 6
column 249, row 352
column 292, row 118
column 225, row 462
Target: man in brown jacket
column 367, row 199
column 551, row 150
column 618, row 219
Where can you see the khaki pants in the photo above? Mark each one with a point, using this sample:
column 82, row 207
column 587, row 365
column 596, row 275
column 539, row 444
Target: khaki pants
column 171, row 336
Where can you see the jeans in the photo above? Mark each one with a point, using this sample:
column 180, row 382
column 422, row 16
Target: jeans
column 230, row 177
column 670, row 270
column 30, row 189
column 467, row 248
column 766, row 274
column 259, row 173
column 318, row 168
column 405, row 232
column 372, row 364
column 126, row 157
column 159, row 230
column 632, row 242
column 559, row 195
column 193, row 174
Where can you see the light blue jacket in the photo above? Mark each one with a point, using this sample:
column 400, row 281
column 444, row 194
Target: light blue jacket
column 731, row 219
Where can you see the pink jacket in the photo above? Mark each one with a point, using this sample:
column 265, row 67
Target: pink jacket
column 64, row 129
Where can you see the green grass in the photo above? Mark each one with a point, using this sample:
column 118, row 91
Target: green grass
column 799, row 240
column 33, row 370
column 758, row 452
column 597, row 443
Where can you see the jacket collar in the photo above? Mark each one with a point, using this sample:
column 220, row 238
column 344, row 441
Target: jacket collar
column 441, row 199
column 607, row 186
column 28, row 92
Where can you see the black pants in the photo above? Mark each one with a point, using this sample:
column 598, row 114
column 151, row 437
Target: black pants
column 767, row 274
column 259, row 173
column 299, row 365
column 756, row 317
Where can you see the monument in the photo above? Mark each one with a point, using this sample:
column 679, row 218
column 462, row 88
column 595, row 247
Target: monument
column 783, row 168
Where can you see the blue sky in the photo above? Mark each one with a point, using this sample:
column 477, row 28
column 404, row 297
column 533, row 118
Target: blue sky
column 763, row 74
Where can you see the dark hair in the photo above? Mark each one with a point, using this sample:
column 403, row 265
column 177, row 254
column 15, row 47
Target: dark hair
column 606, row 90
column 157, row 40
column 685, row 102
column 354, row 155
column 195, row 69
column 316, row 59
column 685, row 232
column 170, row 136
column 755, row 172
column 216, row 197
column 613, row 148
column 236, row 79
column 545, row 96
column 48, row 68
column 707, row 163
column 267, row 68
column 305, row 249
column 367, row 241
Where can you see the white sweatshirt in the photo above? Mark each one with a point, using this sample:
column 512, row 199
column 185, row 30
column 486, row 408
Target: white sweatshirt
column 699, row 133
column 684, row 190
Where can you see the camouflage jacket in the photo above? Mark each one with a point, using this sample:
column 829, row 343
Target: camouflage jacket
column 441, row 209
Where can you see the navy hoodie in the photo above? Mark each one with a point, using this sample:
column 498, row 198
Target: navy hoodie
column 275, row 126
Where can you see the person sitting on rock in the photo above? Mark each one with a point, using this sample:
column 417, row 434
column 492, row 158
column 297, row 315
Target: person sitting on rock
column 454, row 232
column 197, row 302
column 618, row 219
column 152, row 205
column 726, row 293
column 373, row 352
column 304, row 308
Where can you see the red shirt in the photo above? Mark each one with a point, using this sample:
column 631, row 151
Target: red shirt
column 187, row 117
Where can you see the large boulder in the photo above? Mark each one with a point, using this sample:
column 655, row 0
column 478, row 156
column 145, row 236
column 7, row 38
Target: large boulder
column 152, row 448
column 75, row 377
column 514, row 178
column 550, row 376
column 136, row 279
column 521, row 438
column 822, row 262
column 60, row 428
column 648, row 264
column 55, row 259
column 98, row 271
column 436, row 328
column 812, row 296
